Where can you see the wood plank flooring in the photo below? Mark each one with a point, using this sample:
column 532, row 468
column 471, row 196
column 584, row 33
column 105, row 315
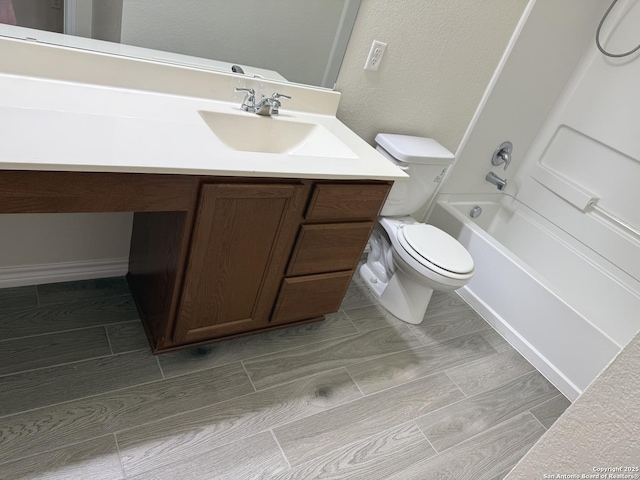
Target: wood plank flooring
column 18, row 297
column 361, row 395
column 96, row 459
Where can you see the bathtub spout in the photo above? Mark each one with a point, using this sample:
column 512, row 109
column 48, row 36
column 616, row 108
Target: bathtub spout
column 493, row 179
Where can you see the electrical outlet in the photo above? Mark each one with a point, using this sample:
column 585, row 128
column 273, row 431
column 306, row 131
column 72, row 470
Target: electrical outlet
column 56, row 3
column 375, row 56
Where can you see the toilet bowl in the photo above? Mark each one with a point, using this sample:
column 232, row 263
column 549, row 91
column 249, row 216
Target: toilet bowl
column 416, row 260
column 408, row 259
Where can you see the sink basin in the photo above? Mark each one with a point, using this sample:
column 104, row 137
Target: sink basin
column 253, row 133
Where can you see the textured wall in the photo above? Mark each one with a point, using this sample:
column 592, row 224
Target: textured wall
column 440, row 58
column 601, row 429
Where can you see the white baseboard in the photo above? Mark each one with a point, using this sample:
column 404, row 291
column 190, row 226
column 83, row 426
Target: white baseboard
column 62, row 272
column 539, row 361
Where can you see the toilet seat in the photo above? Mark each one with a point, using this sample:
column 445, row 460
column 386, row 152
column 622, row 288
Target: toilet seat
column 435, row 249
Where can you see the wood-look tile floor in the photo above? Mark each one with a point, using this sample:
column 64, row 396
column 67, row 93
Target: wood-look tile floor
column 361, row 395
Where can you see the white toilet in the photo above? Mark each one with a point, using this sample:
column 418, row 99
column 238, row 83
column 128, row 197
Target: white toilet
column 408, row 259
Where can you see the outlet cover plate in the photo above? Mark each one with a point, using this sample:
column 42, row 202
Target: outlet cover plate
column 375, row 56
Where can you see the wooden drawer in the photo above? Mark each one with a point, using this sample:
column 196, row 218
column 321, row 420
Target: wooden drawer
column 332, row 201
column 310, row 297
column 329, row 248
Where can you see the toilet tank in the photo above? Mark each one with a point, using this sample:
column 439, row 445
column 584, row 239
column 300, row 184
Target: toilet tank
column 424, row 160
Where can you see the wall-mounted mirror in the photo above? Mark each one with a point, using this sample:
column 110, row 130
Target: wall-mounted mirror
column 298, row 41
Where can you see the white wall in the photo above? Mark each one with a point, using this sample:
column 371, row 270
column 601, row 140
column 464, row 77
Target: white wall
column 299, row 40
column 601, row 429
column 440, row 58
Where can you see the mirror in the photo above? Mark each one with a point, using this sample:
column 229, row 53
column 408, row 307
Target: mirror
column 287, row 40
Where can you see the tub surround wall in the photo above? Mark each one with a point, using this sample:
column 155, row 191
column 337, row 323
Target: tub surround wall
column 440, row 57
column 589, row 151
column 586, row 150
column 540, row 60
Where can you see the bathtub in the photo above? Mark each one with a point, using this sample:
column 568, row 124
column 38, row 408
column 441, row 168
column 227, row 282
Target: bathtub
column 567, row 310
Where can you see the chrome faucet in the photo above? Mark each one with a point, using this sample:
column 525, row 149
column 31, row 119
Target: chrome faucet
column 493, row 179
column 269, row 106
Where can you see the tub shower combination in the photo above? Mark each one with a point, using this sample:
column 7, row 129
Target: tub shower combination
column 538, row 286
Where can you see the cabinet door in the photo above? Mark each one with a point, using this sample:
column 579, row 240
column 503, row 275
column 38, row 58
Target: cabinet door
column 242, row 238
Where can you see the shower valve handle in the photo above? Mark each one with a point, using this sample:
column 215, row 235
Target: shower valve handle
column 502, row 155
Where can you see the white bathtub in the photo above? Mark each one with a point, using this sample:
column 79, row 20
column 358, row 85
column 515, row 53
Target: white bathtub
column 567, row 310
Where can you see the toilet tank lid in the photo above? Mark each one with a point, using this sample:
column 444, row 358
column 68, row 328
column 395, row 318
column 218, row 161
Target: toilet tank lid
column 409, row 149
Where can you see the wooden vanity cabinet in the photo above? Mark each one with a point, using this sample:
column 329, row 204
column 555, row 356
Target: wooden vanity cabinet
column 215, row 257
column 263, row 254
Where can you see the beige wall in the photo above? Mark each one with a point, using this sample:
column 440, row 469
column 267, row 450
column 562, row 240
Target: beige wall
column 440, row 58
column 601, row 429
column 59, row 238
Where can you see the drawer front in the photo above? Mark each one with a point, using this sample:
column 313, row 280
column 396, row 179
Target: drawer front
column 309, row 297
column 351, row 201
column 329, row 248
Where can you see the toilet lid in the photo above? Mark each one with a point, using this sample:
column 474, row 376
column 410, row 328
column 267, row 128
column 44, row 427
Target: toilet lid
column 436, row 247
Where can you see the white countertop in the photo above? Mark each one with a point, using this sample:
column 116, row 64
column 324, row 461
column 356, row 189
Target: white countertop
column 63, row 126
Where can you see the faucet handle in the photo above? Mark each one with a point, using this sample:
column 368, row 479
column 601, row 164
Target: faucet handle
column 242, row 89
column 506, row 158
column 502, row 155
column 276, row 102
column 249, row 102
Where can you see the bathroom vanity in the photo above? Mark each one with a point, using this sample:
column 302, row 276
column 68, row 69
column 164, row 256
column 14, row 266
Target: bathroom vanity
column 241, row 223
